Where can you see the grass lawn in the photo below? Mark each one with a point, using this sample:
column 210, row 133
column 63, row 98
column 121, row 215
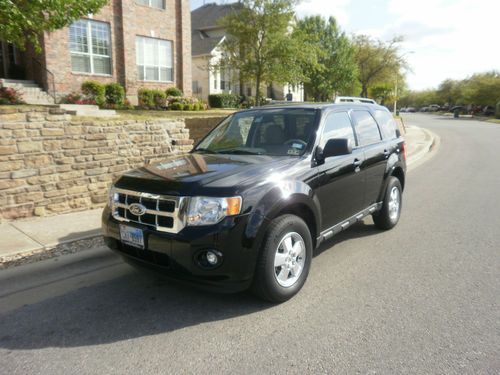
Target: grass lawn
column 142, row 114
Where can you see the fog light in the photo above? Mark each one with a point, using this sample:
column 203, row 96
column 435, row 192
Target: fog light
column 212, row 258
column 209, row 259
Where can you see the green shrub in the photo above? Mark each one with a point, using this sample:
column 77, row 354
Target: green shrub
column 223, row 100
column 173, row 91
column 176, row 106
column 94, row 91
column 152, row 99
column 160, row 99
column 115, row 94
column 145, row 98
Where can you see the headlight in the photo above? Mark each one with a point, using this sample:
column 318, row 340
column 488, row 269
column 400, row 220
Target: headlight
column 112, row 196
column 209, row 210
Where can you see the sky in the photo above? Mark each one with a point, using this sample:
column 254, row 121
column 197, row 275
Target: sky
column 443, row 38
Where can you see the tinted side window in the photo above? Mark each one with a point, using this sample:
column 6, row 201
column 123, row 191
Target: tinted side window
column 366, row 128
column 386, row 123
column 337, row 125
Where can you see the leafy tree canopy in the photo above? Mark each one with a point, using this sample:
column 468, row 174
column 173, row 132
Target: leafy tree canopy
column 333, row 69
column 260, row 45
column 378, row 62
column 24, row 20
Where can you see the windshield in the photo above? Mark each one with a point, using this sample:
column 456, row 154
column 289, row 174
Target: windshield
column 263, row 132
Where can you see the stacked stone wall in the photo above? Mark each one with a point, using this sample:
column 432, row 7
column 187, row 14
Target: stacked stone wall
column 51, row 164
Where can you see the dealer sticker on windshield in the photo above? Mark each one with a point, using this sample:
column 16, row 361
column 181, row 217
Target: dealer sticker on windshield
column 298, row 145
column 293, row 151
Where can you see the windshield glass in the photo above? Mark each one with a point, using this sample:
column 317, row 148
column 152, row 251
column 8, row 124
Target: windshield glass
column 281, row 132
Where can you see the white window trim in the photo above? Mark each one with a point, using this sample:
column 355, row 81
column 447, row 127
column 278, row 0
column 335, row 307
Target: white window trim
column 156, row 66
column 151, row 6
column 91, row 53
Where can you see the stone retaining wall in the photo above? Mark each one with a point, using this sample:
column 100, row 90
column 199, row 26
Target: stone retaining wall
column 199, row 127
column 50, row 164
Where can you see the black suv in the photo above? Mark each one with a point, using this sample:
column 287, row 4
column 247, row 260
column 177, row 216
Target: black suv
column 253, row 199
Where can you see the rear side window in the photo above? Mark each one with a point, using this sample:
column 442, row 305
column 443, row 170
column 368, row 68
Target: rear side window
column 386, row 123
column 366, row 128
column 337, row 125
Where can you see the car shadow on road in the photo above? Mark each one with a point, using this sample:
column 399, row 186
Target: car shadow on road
column 135, row 305
column 128, row 307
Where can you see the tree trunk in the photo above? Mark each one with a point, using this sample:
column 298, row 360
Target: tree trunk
column 364, row 91
column 257, row 91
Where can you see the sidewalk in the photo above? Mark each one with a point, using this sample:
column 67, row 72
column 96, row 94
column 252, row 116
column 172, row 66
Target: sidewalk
column 36, row 238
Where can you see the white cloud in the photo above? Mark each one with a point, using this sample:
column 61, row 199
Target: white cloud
column 336, row 8
column 451, row 39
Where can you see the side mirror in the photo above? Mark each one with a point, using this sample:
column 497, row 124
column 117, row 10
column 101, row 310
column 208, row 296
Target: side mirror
column 336, row 147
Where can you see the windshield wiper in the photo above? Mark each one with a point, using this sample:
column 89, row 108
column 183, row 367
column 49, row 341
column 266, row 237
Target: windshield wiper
column 208, row 151
column 239, row 151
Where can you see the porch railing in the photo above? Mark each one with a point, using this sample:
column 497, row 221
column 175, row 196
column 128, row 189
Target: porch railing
column 48, row 84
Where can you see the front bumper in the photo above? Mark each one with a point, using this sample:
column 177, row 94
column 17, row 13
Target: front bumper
column 174, row 255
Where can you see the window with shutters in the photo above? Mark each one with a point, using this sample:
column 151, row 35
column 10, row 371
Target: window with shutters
column 90, row 46
column 154, row 59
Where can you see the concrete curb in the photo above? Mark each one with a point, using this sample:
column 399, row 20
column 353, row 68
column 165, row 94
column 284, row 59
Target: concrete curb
column 431, row 143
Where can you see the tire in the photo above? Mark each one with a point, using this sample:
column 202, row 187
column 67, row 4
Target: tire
column 284, row 260
column 389, row 214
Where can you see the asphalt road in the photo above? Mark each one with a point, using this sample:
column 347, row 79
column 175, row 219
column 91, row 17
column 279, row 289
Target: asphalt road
column 420, row 299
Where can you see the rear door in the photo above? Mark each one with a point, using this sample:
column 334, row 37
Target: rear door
column 375, row 154
column 341, row 181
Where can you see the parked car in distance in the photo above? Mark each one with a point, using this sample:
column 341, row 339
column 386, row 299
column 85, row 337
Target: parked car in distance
column 488, row 110
column 424, row 109
column 460, row 108
column 434, row 108
column 353, row 99
column 253, row 199
column 410, row 110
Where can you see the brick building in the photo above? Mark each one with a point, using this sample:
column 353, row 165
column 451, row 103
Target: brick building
column 137, row 43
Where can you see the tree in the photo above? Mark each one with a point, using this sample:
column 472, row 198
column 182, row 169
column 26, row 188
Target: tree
column 377, row 61
column 24, row 20
column 481, row 89
column 260, row 45
column 333, row 69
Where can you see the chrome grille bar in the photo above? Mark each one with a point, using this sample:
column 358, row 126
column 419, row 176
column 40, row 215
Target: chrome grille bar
column 120, row 211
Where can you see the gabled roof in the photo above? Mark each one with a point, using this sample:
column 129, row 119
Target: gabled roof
column 202, row 45
column 207, row 16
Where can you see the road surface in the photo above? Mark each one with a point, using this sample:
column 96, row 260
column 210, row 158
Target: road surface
column 422, row 298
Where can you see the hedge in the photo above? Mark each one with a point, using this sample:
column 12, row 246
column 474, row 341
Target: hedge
column 224, row 100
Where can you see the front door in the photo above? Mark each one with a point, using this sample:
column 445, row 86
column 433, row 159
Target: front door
column 340, row 178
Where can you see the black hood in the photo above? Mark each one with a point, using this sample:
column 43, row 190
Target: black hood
column 198, row 174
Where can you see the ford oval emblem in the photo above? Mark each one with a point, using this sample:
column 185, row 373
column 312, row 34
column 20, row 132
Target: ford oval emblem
column 137, row 209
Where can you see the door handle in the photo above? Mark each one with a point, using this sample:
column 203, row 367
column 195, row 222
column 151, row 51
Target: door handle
column 386, row 152
column 357, row 162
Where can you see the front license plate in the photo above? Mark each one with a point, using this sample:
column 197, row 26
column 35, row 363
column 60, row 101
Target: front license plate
column 132, row 236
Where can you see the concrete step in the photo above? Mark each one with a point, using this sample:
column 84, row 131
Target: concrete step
column 98, row 113
column 18, row 81
column 79, row 107
column 19, row 85
column 87, row 110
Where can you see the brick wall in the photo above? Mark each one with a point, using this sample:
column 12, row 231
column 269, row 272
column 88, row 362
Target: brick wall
column 127, row 19
column 50, row 164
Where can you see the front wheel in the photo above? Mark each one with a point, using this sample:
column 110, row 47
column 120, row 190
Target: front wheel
column 389, row 214
column 284, row 260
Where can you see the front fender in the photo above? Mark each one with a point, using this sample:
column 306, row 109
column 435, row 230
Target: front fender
column 278, row 198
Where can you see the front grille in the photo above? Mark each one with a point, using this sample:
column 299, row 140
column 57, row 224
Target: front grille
column 162, row 212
